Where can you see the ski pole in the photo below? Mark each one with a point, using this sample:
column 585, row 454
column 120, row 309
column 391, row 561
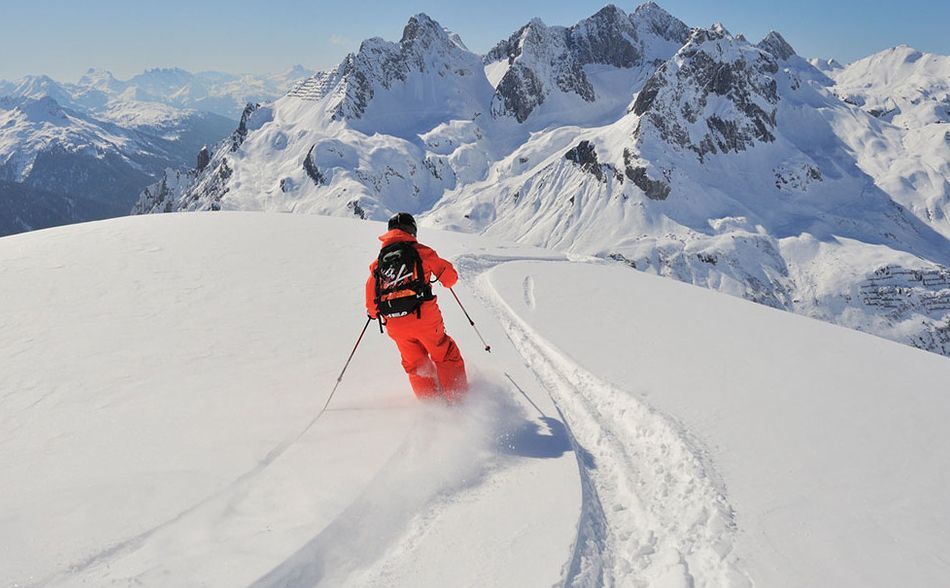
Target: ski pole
column 350, row 358
column 470, row 321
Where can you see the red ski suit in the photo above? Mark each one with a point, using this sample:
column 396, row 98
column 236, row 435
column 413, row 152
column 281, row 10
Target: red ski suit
column 421, row 339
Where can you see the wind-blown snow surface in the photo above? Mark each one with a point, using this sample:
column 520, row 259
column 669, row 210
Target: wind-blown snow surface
column 161, row 376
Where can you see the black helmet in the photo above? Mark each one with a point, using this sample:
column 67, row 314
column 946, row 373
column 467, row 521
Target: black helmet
column 404, row 222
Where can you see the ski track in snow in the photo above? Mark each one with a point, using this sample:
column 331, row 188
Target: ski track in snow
column 529, row 292
column 654, row 512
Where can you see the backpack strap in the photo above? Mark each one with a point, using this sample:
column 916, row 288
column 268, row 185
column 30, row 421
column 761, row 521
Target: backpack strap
column 422, row 278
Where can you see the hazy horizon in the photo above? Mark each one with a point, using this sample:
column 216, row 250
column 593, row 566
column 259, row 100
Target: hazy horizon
column 65, row 39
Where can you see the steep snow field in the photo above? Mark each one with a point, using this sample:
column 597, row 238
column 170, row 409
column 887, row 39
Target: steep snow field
column 162, row 375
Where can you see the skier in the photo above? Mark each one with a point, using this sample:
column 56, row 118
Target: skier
column 399, row 295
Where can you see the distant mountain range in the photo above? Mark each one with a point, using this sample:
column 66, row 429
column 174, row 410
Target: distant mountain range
column 74, row 152
column 220, row 93
column 687, row 152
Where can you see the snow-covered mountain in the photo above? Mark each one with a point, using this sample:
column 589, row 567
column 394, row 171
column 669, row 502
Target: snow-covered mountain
column 97, row 164
column 577, row 74
column 220, row 93
column 98, row 143
column 691, row 153
column 903, row 86
column 908, row 154
column 160, row 423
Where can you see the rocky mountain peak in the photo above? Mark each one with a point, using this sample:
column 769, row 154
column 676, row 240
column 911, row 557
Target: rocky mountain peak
column 775, row 44
column 423, row 30
column 44, row 108
column 425, row 47
column 718, row 30
column 607, row 38
column 32, row 85
column 660, row 23
column 96, row 73
column 718, row 95
column 530, row 35
column 546, row 59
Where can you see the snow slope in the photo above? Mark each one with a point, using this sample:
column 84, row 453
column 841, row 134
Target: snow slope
column 901, row 85
column 157, row 421
column 162, row 375
column 828, row 448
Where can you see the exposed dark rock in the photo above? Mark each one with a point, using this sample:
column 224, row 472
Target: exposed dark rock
column 357, row 209
column 573, row 79
column 661, row 23
column 224, row 171
column 518, row 93
column 775, row 44
column 711, row 66
column 204, row 158
column 312, row 170
column 654, row 189
column 609, row 37
column 647, row 95
column 605, row 38
column 623, row 259
column 509, row 48
column 420, row 28
column 585, row 156
column 796, row 177
column 239, row 135
column 881, row 112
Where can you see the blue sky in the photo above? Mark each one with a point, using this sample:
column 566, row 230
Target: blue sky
column 62, row 38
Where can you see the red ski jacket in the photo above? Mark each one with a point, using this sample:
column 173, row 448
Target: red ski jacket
column 432, row 265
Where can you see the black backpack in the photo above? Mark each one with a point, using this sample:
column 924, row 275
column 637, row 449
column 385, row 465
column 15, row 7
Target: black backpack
column 401, row 285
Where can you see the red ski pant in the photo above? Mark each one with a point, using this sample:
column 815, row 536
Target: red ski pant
column 430, row 357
